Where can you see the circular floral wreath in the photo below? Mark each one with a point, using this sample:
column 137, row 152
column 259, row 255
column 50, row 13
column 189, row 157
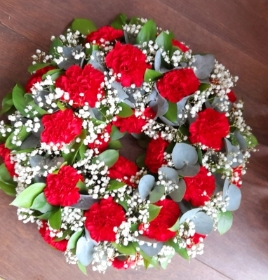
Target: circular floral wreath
column 61, row 147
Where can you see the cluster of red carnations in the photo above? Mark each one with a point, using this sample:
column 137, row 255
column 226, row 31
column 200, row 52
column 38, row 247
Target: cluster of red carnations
column 63, row 126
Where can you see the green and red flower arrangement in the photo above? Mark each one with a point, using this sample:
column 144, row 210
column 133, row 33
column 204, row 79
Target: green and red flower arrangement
column 61, row 146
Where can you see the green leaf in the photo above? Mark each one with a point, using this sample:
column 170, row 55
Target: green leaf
column 73, row 240
column 25, row 198
column 109, row 157
column 164, row 40
column 115, row 185
column 7, row 103
column 123, row 204
column 30, row 101
column 176, row 226
column 40, row 203
column 53, row 47
column 251, row 140
column 18, row 99
column 21, row 136
column 71, row 156
column 37, row 66
column 130, row 249
column 45, row 216
column 55, row 74
column 82, row 187
column 153, row 211
column 126, row 110
column 200, row 155
column 146, row 259
column 60, row 105
column 82, row 267
column 157, row 193
column 147, row 32
column 119, row 21
column 172, row 113
column 116, row 134
column 115, row 144
column 55, row 218
column 140, row 160
column 203, row 87
column 8, row 189
column 84, row 26
column 5, row 176
column 225, row 221
column 134, row 227
column 152, row 75
column 181, row 251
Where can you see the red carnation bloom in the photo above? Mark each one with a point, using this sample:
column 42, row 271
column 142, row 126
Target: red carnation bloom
column 123, row 263
column 231, row 96
column 195, row 239
column 177, row 84
column 45, row 233
column 123, row 169
column 5, row 155
column 101, row 219
column 237, row 176
column 129, row 61
column 61, row 127
column 37, row 77
column 61, row 188
column 209, row 128
column 199, row 188
column 154, row 158
column 104, row 34
column 99, row 143
column 134, row 124
column 82, row 85
column 159, row 228
column 180, row 45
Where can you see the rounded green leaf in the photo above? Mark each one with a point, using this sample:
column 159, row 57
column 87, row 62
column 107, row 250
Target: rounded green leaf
column 126, row 110
column 25, row 199
column 225, row 221
column 109, row 157
column 73, row 240
column 84, row 26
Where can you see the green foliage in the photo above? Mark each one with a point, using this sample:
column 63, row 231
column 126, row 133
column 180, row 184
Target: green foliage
column 73, row 240
column 126, row 110
column 164, row 40
column 181, row 251
column 115, row 185
column 176, row 226
column 109, row 157
column 140, row 160
column 153, row 212
column 157, row 193
column 84, row 26
column 40, row 203
column 225, row 221
column 119, row 21
column 172, row 113
column 25, row 198
column 147, row 32
column 55, row 74
column 7, row 103
column 152, row 75
column 82, row 268
column 55, row 218
column 251, row 140
column 53, row 47
column 21, row 136
column 37, row 66
column 116, row 134
column 115, row 144
column 130, row 249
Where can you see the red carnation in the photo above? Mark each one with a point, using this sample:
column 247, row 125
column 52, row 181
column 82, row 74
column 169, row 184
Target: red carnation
column 5, row 155
column 177, row 84
column 61, row 188
column 129, row 61
column 209, row 128
column 154, row 158
column 101, row 219
column 45, row 233
column 100, row 143
column 123, row 169
column 61, row 127
column 231, row 96
column 180, row 45
column 134, row 124
column 82, row 85
column 195, row 239
column 104, row 34
column 37, row 77
column 159, row 228
column 199, row 188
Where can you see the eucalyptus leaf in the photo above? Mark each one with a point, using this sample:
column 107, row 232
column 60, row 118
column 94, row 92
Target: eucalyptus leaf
column 225, row 221
column 158, row 60
column 85, row 202
column 234, row 195
column 153, row 212
column 30, row 142
column 204, row 65
column 189, row 170
column 169, row 174
column 178, row 194
column 203, row 223
column 241, row 140
column 153, row 249
column 120, row 91
column 184, row 154
column 157, row 193
column 190, row 214
column 176, row 226
column 25, row 198
column 84, row 250
column 145, row 185
column 109, row 157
